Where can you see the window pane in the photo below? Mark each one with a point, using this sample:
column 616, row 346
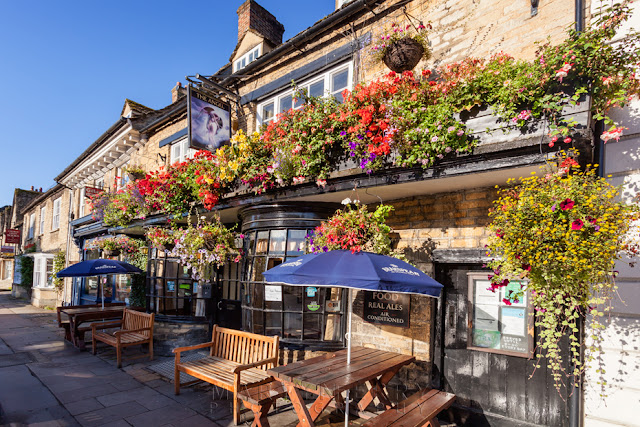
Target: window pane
column 292, row 298
column 296, row 242
column 299, row 102
column 312, row 326
column 259, row 265
column 172, row 269
column 273, row 324
column 339, row 81
column 293, row 325
column 263, row 242
column 333, row 328
column 268, row 112
column 286, row 103
column 317, row 89
column 276, row 244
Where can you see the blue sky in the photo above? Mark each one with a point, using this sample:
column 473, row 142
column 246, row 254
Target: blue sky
column 66, row 68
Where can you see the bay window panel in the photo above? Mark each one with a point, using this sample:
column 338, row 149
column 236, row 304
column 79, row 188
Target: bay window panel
column 317, row 89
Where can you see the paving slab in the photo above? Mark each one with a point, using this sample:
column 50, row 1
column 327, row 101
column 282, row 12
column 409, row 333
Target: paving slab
column 111, row 414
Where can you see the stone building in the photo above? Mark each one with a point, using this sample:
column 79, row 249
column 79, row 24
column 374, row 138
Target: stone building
column 46, row 233
column 6, row 258
column 441, row 215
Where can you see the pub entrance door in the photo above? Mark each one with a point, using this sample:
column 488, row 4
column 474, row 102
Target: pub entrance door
column 227, row 297
column 491, row 389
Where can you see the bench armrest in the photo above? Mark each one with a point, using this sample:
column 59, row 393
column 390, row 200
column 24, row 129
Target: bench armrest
column 192, row 347
column 254, row 364
column 104, row 325
column 126, row 331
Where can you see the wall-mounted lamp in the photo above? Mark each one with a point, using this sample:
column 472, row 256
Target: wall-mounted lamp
column 534, row 7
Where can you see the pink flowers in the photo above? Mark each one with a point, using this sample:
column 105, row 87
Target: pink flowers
column 563, row 71
column 523, row 115
column 321, row 182
column 567, row 204
column 298, row 180
column 577, row 225
column 613, row 133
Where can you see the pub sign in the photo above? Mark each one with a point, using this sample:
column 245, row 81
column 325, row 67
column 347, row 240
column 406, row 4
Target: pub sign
column 209, row 121
column 90, row 192
column 387, row 308
column 12, row 235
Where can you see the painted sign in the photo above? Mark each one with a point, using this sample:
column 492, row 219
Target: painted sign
column 273, row 293
column 12, row 235
column 387, row 308
column 90, row 192
column 7, row 251
column 209, row 121
column 332, row 306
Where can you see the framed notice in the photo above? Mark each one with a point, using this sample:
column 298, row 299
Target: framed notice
column 495, row 326
column 387, row 308
column 209, row 121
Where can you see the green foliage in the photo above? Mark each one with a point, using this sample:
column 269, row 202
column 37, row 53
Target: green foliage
column 137, row 297
column 562, row 232
column 26, row 268
column 59, row 262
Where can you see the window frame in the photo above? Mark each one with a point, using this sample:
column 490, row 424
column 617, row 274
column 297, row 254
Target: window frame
column 42, row 265
column 32, row 226
column 43, row 212
column 256, row 52
column 186, row 152
column 55, row 218
column 325, row 76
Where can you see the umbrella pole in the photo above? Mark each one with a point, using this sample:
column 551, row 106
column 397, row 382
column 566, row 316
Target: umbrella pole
column 350, row 310
column 102, row 291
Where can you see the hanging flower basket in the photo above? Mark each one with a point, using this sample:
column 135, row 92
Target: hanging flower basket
column 403, row 55
column 111, row 252
column 133, row 176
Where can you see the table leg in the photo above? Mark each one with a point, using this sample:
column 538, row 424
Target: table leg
column 299, row 406
column 377, row 390
column 318, row 406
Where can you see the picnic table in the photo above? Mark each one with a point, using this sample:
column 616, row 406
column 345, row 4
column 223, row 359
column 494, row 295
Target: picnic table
column 328, row 376
column 79, row 315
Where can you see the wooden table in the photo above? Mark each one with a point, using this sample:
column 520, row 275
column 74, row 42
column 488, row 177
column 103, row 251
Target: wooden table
column 77, row 316
column 329, row 375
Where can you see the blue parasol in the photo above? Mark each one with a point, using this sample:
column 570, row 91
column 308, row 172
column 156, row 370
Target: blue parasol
column 353, row 270
column 98, row 267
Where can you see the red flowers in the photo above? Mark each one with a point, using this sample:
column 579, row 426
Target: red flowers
column 577, row 225
column 567, row 204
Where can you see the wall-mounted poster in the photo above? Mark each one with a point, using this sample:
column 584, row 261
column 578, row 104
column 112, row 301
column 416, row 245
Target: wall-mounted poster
column 209, row 121
column 496, row 326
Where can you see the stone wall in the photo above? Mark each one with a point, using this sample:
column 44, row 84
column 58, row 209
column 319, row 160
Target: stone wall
column 170, row 335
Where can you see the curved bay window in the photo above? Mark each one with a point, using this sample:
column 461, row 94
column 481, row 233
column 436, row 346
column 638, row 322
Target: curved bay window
column 308, row 316
column 172, row 292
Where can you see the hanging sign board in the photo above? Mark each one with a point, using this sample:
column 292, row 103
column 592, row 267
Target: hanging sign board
column 496, row 326
column 90, row 192
column 209, row 121
column 7, row 251
column 387, row 308
column 12, row 235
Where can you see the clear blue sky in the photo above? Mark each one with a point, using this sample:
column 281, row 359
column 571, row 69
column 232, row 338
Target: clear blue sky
column 66, row 68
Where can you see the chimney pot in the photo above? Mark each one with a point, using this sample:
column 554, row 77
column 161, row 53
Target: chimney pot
column 32, row 188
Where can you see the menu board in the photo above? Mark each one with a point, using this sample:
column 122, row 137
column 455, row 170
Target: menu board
column 495, row 325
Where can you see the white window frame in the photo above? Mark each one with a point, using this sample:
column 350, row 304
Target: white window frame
column 247, row 58
column 32, row 226
column 180, row 151
column 81, row 203
column 305, row 84
column 43, row 212
column 40, row 270
column 55, row 218
column 99, row 183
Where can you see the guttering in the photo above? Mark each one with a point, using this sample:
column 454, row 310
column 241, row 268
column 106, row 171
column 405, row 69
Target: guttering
column 292, row 44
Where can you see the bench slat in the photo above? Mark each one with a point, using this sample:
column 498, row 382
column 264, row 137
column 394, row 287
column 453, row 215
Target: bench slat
column 414, row 411
column 261, row 394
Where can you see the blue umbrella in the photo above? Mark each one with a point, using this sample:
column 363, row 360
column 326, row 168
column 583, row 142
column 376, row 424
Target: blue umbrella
column 360, row 270
column 98, row 267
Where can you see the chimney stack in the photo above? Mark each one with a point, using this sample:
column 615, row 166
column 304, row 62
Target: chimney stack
column 32, row 188
column 253, row 16
column 176, row 92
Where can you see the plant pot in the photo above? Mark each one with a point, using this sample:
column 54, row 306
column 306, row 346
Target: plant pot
column 403, row 55
column 133, row 176
column 111, row 252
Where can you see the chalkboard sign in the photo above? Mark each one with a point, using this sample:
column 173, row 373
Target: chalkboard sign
column 387, row 308
column 496, row 326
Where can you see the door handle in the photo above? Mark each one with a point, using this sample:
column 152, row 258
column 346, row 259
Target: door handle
column 218, row 305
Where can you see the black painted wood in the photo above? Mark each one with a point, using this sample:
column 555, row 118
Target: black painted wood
column 491, row 389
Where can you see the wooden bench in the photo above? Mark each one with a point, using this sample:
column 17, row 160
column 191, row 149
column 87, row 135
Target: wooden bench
column 420, row 409
column 66, row 324
column 259, row 399
column 135, row 328
column 236, row 360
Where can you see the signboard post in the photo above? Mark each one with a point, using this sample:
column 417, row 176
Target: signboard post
column 12, row 235
column 209, row 121
column 387, row 308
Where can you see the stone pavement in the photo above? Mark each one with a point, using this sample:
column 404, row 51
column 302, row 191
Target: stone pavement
column 45, row 381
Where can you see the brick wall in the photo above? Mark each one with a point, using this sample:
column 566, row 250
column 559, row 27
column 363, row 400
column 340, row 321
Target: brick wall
column 252, row 15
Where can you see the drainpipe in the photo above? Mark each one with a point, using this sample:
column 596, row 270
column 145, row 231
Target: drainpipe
column 576, row 399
